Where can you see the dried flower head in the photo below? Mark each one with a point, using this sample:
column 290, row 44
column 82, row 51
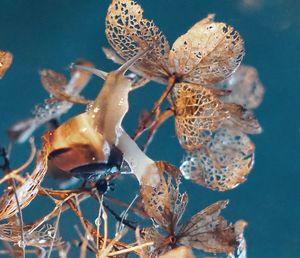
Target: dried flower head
column 206, row 230
column 208, row 53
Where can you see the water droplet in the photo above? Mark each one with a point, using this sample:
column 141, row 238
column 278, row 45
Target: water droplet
column 121, row 102
column 42, row 241
column 97, row 222
column 96, row 110
column 22, row 244
column 51, row 233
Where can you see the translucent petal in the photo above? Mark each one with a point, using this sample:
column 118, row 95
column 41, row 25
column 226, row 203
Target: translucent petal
column 223, row 163
column 208, row 53
column 128, row 33
column 198, row 112
column 241, row 119
column 247, row 89
column 6, row 59
column 210, row 232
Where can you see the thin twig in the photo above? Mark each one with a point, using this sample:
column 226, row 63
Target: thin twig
column 55, row 232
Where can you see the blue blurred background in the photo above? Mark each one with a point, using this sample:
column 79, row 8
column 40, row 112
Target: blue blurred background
column 54, row 33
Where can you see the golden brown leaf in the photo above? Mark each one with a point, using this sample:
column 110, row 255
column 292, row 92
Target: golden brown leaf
column 128, row 33
column 223, row 163
column 247, row 89
column 198, row 112
column 208, row 53
column 210, row 232
column 6, row 59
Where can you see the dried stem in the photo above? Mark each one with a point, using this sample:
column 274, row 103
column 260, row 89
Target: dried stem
column 144, row 125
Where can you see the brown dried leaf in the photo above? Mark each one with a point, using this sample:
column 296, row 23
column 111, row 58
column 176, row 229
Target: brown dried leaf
column 76, row 143
column 164, row 203
column 198, row 112
column 223, row 163
column 210, row 232
column 26, row 191
column 208, row 53
column 57, row 84
column 6, row 59
column 129, row 33
column 241, row 119
column 52, row 80
column 247, row 89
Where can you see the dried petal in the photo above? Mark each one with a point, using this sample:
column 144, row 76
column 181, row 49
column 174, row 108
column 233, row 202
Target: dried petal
column 241, row 119
column 28, row 190
column 160, row 245
column 52, row 80
column 128, row 33
column 247, row 89
column 11, row 232
column 163, row 202
column 208, row 53
column 210, row 232
column 112, row 55
column 223, row 163
column 198, row 112
column 6, row 59
column 56, row 83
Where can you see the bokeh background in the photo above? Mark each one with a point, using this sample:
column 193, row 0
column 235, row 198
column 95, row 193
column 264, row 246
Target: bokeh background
column 54, row 33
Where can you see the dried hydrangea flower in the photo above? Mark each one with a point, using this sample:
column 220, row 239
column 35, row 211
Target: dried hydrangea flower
column 206, row 230
column 56, row 83
column 222, row 163
column 247, row 89
column 6, row 59
column 208, row 53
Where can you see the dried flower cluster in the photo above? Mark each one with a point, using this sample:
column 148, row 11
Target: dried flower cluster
column 211, row 98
